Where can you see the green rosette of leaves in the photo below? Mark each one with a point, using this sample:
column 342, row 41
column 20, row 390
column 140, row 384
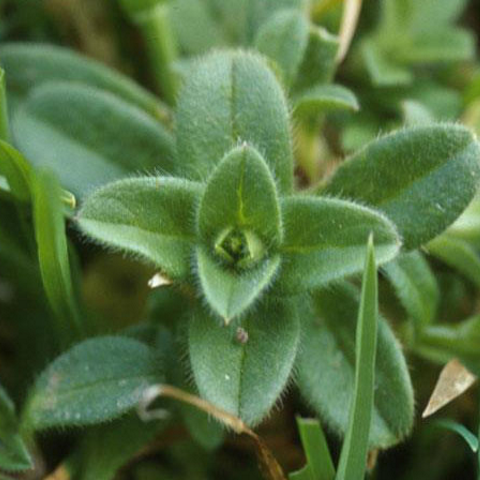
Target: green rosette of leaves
column 257, row 253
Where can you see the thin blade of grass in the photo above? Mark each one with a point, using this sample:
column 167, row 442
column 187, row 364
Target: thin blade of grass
column 463, row 431
column 353, row 457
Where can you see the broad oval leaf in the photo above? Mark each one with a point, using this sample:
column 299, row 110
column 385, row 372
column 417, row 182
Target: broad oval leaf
column 241, row 194
column 415, row 286
column 230, row 292
column 329, row 342
column 96, row 381
column 89, row 137
column 14, row 456
column 228, row 368
column 404, row 174
column 218, row 108
column 52, row 251
column 29, row 65
column 284, row 38
column 325, row 239
column 151, row 216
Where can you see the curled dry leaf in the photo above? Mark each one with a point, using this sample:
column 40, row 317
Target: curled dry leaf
column 454, row 380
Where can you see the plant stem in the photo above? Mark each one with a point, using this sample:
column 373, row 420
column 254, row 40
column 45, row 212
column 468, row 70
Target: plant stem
column 162, row 49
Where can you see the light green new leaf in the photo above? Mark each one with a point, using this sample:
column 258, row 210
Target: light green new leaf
column 230, row 292
column 325, row 240
column 152, row 216
column 353, row 457
column 14, row 456
column 415, row 286
column 467, row 226
column 284, row 38
column 228, row 369
column 89, row 137
column 329, row 341
column 458, row 254
column 404, row 175
column 318, row 65
column 52, row 251
column 241, row 194
column 104, row 449
column 29, row 65
column 231, row 98
column 416, row 113
column 319, row 461
column 94, row 382
column 323, row 98
column 15, row 168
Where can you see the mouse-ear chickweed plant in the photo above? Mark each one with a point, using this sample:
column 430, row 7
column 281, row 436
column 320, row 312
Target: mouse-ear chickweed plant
column 281, row 266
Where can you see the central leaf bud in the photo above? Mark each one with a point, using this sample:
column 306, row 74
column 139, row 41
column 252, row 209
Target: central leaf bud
column 239, row 248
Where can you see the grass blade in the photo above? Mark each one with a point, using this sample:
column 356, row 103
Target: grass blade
column 319, row 461
column 353, row 457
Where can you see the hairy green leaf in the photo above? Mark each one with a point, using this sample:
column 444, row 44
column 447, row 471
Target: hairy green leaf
column 353, row 457
column 218, row 108
column 52, row 251
column 415, row 286
column 323, row 98
column 88, row 136
column 30, row 65
column 153, row 217
column 404, row 174
column 230, row 292
column 14, row 456
column 329, row 342
column 96, row 381
column 241, row 194
column 284, row 38
column 228, row 367
column 325, row 240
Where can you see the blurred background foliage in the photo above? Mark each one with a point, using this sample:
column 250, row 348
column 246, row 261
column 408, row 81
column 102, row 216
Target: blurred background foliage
column 403, row 70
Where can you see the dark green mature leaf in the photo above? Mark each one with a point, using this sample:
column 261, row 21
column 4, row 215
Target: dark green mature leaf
column 458, row 254
column 319, row 461
column 230, row 292
column 329, row 341
column 16, row 170
column 88, row 136
column 284, row 38
column 353, row 457
column 229, row 368
column 104, row 449
column 241, row 194
column 404, row 174
column 153, row 217
column 96, row 381
column 14, row 456
column 323, row 98
column 318, row 64
column 325, row 240
column 53, row 253
column 415, row 286
column 30, row 65
column 218, row 108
